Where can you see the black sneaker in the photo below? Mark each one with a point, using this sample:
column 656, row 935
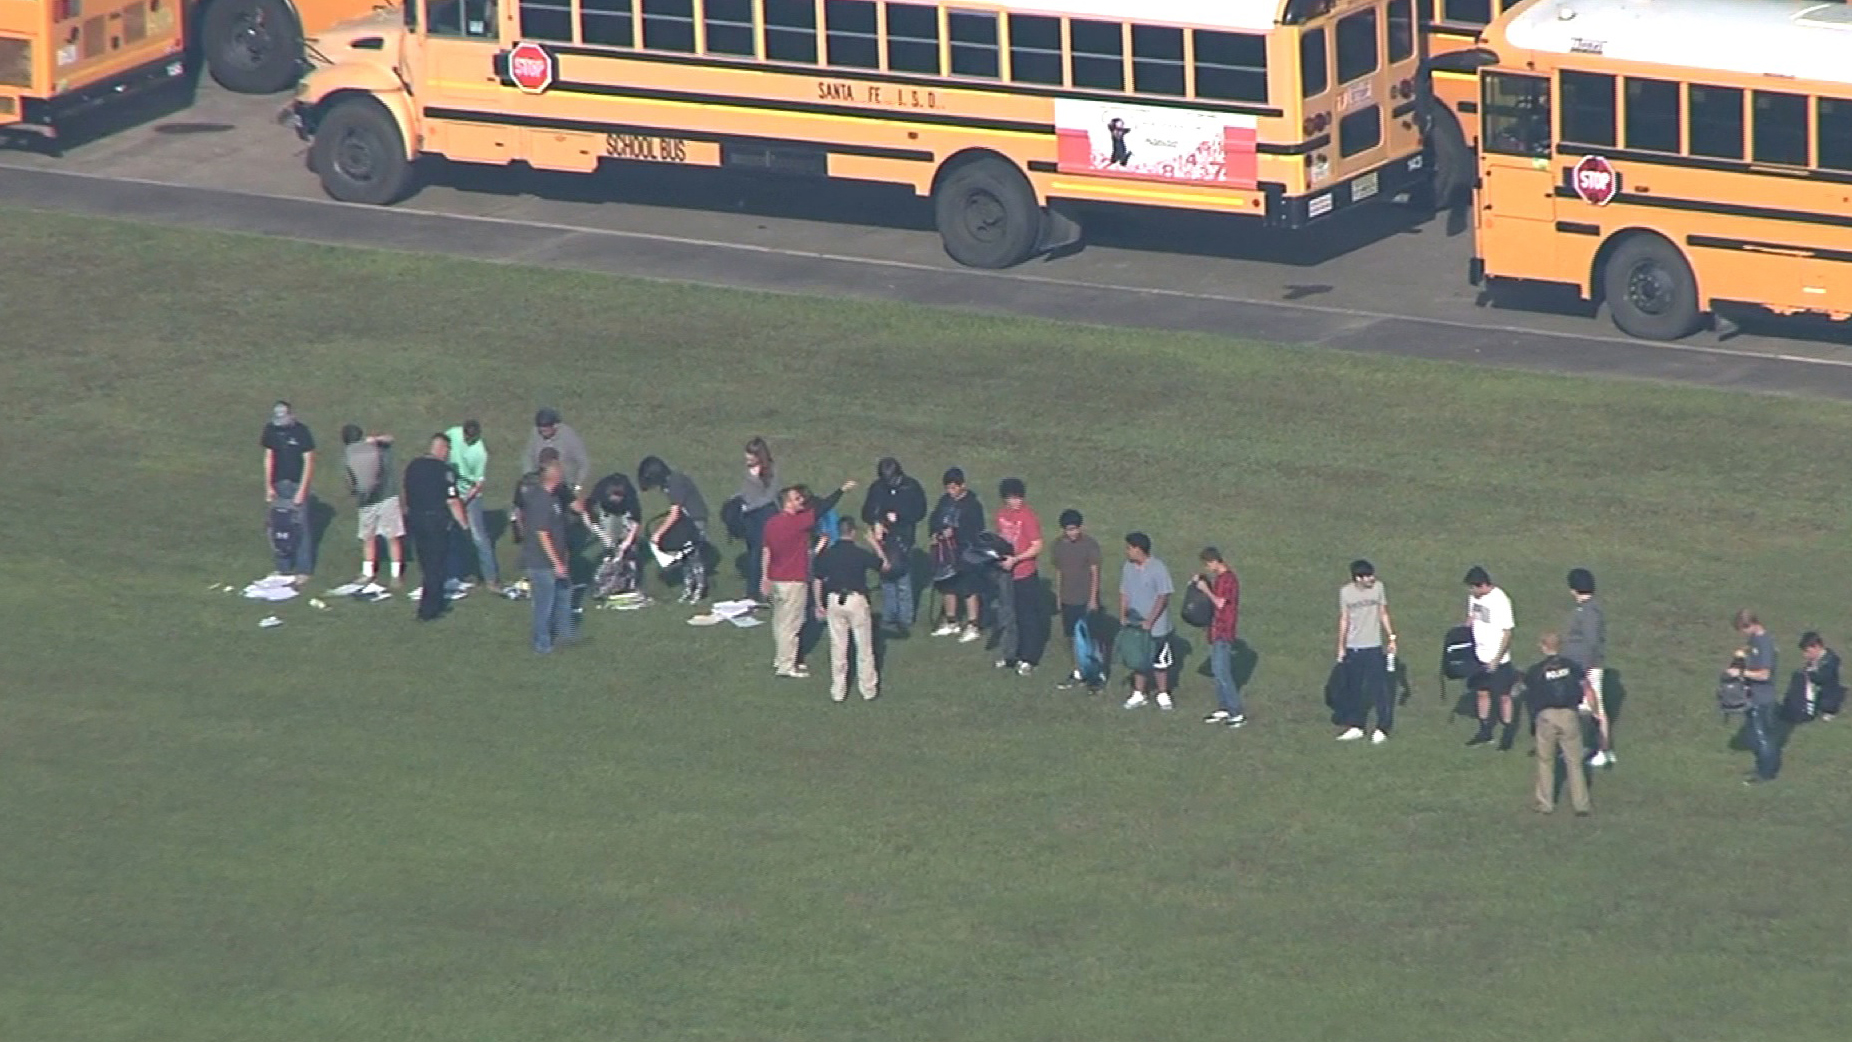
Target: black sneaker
column 1505, row 743
column 1482, row 738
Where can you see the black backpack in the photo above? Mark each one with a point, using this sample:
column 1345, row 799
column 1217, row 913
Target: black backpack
column 1198, row 609
column 1457, row 658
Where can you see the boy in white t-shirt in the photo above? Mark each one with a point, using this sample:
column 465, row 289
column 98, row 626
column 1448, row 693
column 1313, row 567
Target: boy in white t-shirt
column 1488, row 612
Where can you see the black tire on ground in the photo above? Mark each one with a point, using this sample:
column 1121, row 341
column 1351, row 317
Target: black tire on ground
column 359, row 153
column 987, row 215
column 1650, row 290
column 251, row 46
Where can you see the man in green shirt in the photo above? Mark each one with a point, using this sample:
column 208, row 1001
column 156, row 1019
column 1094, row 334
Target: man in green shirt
column 469, row 457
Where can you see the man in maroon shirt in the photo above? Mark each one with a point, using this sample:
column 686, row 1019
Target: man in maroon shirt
column 784, row 569
column 1218, row 581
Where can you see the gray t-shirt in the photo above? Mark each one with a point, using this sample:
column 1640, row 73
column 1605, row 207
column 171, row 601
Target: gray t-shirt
column 369, row 466
column 681, row 490
column 1364, row 608
column 1141, row 585
column 1585, row 639
column 1761, row 656
column 541, row 511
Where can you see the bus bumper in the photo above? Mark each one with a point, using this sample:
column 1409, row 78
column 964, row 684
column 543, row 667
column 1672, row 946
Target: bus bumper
column 43, row 115
column 1379, row 185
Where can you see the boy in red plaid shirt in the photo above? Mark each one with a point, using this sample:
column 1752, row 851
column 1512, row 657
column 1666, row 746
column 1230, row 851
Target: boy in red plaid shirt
column 1218, row 582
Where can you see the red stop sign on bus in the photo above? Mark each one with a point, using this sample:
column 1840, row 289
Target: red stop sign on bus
column 530, row 66
column 1595, row 181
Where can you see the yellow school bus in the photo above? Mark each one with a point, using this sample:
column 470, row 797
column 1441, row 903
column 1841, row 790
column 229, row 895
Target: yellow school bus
column 59, row 58
column 1286, row 111
column 1667, row 157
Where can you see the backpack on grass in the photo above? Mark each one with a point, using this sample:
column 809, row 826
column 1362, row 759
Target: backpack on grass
column 285, row 534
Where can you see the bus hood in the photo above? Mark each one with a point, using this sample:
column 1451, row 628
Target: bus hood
column 370, row 38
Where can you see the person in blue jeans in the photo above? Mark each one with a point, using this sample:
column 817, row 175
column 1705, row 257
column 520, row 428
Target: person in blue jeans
column 545, row 558
column 470, row 457
column 1755, row 664
column 1219, row 584
column 895, row 506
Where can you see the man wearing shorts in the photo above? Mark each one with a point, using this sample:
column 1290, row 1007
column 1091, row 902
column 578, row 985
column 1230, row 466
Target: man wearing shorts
column 1144, row 600
column 1585, row 642
column 1488, row 612
column 374, row 484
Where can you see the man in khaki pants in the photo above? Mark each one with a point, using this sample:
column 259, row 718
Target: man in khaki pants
column 840, row 582
column 1555, row 688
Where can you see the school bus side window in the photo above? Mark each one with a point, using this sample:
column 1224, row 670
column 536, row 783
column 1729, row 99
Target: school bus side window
column 1653, row 123
column 1716, row 122
column 1470, row 12
column 1314, row 73
column 475, row 19
column 1230, row 66
column 974, row 44
column 1035, row 49
column 540, row 19
column 1517, row 115
column 1157, row 60
column 1356, row 45
column 668, row 25
column 607, row 22
column 727, row 24
column 1780, row 128
column 1588, row 109
column 849, row 30
column 913, row 38
column 791, row 31
column 1835, row 133
column 1098, row 54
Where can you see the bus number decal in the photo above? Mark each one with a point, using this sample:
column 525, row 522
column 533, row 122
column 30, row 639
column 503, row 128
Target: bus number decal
column 646, row 148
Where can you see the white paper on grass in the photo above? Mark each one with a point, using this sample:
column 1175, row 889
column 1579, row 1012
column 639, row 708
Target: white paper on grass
column 348, row 589
column 730, row 609
column 706, row 620
column 744, row 622
column 269, row 593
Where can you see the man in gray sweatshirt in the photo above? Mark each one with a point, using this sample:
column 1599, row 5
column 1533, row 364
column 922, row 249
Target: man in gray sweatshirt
column 1585, row 642
column 549, row 432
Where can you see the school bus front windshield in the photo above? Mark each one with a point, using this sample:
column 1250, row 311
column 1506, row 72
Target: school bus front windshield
column 1286, row 111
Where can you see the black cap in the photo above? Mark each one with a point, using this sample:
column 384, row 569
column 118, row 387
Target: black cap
column 1070, row 518
column 1476, row 576
column 546, row 418
column 1581, row 580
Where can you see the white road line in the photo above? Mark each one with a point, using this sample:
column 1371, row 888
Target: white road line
column 781, row 251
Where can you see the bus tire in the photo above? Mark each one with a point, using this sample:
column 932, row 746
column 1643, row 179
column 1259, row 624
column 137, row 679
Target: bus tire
column 1650, row 290
column 251, row 46
column 359, row 153
column 987, row 214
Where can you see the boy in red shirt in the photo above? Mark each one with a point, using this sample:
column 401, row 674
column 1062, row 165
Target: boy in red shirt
column 1224, row 591
column 1020, row 614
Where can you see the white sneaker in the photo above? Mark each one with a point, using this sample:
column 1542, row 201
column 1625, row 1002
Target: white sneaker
column 1351, row 735
column 1600, row 759
column 1378, row 738
column 1003, row 663
column 1220, row 716
column 946, row 630
column 1164, row 702
column 1023, row 669
column 1137, row 701
column 971, row 634
column 1238, row 721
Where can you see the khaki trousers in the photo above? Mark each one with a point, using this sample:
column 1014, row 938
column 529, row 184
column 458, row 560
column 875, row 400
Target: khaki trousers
column 849, row 617
column 1560, row 730
column 787, row 624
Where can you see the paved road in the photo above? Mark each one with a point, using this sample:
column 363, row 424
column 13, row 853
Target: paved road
column 1386, row 283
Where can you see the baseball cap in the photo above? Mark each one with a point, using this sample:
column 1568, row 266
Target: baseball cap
column 546, row 418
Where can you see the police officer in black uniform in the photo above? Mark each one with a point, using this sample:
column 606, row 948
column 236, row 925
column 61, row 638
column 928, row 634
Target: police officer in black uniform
column 1555, row 689
column 432, row 508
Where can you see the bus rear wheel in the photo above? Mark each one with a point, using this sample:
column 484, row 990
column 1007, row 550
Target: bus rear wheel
column 360, row 154
column 1650, row 290
column 987, row 215
column 251, row 46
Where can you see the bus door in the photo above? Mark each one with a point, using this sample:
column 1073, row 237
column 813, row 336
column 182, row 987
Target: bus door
column 1516, row 197
column 463, row 64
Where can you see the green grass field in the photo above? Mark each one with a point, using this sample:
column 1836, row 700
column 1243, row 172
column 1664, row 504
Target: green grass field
column 356, row 828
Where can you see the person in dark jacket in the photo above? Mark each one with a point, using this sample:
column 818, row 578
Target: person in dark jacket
column 1815, row 692
column 957, row 521
column 895, row 506
column 1555, row 689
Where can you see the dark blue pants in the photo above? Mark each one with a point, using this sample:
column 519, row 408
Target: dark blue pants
column 1366, row 682
column 1760, row 727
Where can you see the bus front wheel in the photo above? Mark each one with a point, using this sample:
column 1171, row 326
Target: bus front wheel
column 251, row 46
column 987, row 215
column 360, row 154
column 1650, row 290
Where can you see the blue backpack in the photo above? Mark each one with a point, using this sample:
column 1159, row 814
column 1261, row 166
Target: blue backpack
column 829, row 526
column 1089, row 663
